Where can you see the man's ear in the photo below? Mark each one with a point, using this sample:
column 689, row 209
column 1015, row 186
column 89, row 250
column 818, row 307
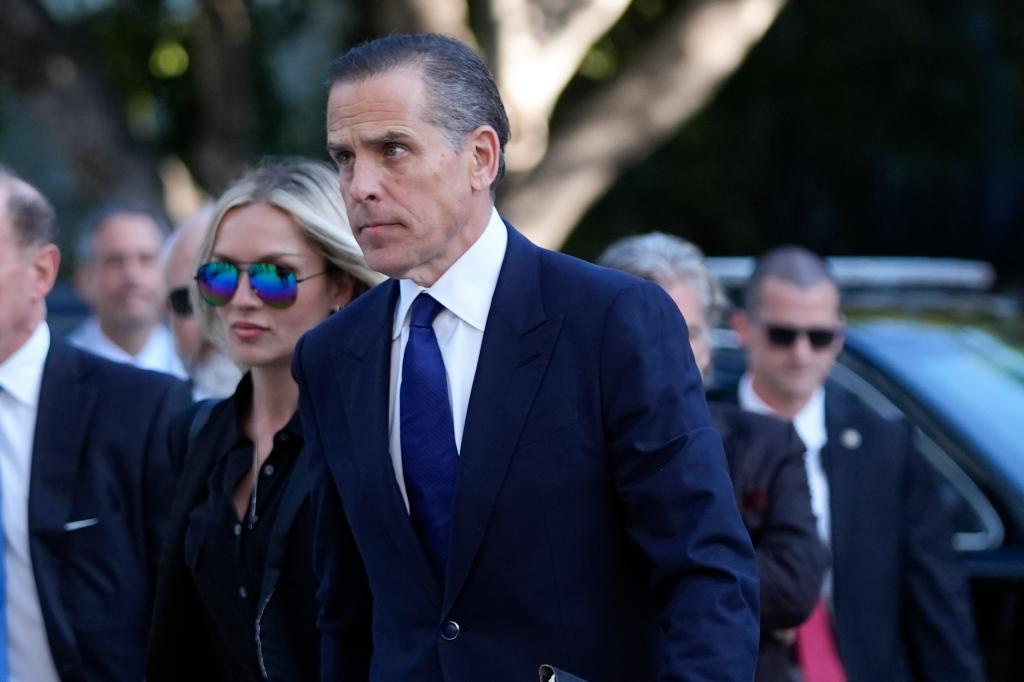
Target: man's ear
column 741, row 324
column 45, row 266
column 83, row 282
column 342, row 288
column 485, row 152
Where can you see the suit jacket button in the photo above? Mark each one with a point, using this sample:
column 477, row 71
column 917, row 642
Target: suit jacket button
column 450, row 630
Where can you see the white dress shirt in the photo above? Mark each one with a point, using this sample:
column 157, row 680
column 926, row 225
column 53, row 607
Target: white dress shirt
column 465, row 290
column 158, row 353
column 809, row 423
column 21, row 377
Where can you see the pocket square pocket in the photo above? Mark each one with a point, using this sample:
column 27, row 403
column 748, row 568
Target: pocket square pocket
column 80, row 524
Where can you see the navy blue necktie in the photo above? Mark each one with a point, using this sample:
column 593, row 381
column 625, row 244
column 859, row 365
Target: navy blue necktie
column 430, row 459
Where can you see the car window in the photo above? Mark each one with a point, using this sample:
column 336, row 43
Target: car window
column 976, row 524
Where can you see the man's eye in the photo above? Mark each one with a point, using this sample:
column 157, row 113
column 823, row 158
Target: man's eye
column 393, row 149
column 343, row 158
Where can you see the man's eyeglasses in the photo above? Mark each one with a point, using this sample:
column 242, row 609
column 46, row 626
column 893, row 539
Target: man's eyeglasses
column 275, row 285
column 179, row 302
column 783, row 336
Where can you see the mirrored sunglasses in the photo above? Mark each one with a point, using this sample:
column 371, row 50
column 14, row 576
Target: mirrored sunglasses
column 179, row 302
column 275, row 285
column 783, row 336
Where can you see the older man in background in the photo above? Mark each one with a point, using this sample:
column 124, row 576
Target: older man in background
column 210, row 372
column 118, row 276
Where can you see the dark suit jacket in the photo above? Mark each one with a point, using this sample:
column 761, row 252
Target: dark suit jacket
column 595, row 528
column 99, row 453
column 180, row 648
column 766, row 462
column 902, row 610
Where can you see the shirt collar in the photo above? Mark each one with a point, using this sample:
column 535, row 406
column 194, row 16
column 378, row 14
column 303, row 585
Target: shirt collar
column 241, row 401
column 466, row 288
column 21, row 375
column 809, row 422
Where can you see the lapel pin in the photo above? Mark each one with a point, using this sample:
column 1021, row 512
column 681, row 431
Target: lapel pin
column 850, row 438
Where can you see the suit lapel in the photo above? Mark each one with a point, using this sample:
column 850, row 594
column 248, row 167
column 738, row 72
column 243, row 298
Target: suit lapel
column 842, row 474
column 514, row 356
column 364, row 371
column 66, row 403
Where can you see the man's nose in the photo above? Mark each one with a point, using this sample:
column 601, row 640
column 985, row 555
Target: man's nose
column 133, row 270
column 802, row 346
column 361, row 182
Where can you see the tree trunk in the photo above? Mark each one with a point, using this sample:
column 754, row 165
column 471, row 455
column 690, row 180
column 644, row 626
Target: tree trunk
column 699, row 48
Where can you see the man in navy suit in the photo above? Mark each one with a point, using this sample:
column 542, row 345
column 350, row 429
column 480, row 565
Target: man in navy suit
column 513, row 445
column 896, row 607
column 85, row 481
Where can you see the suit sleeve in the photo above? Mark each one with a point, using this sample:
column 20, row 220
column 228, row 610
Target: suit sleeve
column 673, row 482
column 791, row 559
column 937, row 609
column 159, row 477
column 343, row 592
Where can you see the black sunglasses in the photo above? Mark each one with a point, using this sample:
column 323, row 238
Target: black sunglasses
column 180, row 302
column 783, row 336
column 274, row 284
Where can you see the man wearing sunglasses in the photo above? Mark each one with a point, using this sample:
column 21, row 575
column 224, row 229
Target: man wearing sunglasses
column 84, row 476
column 896, row 607
column 512, row 445
column 211, row 373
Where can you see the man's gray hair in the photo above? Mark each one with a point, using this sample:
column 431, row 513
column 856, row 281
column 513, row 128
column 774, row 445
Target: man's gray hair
column 791, row 264
column 85, row 246
column 33, row 217
column 461, row 90
column 667, row 260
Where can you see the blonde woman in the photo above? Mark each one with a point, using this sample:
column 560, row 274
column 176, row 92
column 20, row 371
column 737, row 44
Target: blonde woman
column 236, row 592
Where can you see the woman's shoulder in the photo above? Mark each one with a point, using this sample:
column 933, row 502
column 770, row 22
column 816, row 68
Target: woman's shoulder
column 196, row 428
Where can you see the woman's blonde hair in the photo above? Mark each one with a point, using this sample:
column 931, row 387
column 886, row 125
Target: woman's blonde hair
column 308, row 192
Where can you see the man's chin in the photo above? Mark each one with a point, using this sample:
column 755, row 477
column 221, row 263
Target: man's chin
column 133, row 322
column 386, row 263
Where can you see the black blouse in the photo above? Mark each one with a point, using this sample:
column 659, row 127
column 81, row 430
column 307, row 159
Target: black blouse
column 227, row 555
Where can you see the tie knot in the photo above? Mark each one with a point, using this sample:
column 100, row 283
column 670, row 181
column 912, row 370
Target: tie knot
column 424, row 309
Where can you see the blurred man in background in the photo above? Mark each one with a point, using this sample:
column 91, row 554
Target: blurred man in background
column 84, row 477
column 211, row 373
column 766, row 458
column 118, row 276
column 896, row 607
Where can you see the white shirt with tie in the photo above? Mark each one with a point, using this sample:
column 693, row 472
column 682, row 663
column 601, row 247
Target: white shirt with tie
column 21, row 378
column 465, row 290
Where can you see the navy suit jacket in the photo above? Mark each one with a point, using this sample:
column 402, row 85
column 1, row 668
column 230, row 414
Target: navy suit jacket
column 99, row 455
column 900, row 600
column 595, row 527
